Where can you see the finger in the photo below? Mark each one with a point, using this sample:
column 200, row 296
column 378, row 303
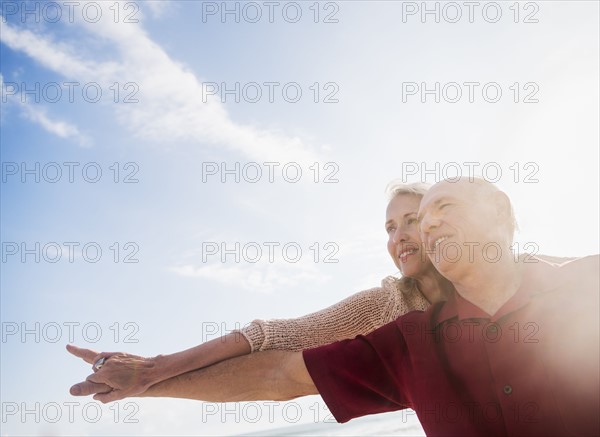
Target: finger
column 86, row 354
column 97, row 378
column 87, row 388
column 104, row 355
column 115, row 395
column 101, row 377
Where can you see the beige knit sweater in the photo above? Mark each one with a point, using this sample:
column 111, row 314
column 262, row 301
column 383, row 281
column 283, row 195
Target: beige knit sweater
column 358, row 314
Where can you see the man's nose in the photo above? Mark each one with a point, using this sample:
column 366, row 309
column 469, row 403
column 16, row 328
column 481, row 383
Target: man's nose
column 428, row 222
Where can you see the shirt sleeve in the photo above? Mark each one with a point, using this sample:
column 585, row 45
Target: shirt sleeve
column 361, row 376
column 360, row 313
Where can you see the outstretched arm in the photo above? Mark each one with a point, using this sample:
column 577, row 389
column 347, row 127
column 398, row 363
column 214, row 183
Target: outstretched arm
column 271, row 375
column 129, row 375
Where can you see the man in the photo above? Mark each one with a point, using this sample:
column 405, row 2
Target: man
column 515, row 351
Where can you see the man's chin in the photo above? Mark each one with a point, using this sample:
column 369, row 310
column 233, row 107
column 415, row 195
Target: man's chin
column 446, row 268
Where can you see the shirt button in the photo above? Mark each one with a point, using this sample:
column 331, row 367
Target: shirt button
column 507, row 389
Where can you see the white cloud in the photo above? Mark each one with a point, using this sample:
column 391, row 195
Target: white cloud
column 159, row 7
column 259, row 277
column 62, row 129
column 39, row 115
column 57, row 56
column 173, row 105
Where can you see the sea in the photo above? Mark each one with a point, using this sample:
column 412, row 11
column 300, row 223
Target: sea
column 388, row 424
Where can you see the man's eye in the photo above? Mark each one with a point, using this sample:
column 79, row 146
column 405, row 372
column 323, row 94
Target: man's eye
column 390, row 229
column 411, row 221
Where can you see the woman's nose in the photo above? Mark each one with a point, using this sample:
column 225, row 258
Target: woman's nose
column 399, row 235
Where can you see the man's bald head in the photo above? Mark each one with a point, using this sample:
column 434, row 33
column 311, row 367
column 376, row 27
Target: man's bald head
column 481, row 196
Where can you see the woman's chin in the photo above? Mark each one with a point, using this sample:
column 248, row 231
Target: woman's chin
column 409, row 271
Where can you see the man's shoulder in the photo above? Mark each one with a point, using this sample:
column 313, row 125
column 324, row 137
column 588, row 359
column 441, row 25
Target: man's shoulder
column 583, row 269
column 576, row 279
column 564, row 262
column 589, row 262
column 587, row 266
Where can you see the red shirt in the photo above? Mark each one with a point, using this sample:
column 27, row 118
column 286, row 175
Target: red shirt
column 531, row 369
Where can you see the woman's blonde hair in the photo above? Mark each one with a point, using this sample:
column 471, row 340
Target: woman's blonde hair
column 398, row 188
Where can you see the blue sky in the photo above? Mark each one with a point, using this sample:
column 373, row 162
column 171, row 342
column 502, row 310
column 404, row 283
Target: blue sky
column 161, row 210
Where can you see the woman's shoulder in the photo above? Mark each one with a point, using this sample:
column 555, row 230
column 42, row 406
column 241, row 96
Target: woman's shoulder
column 392, row 292
column 404, row 295
column 399, row 285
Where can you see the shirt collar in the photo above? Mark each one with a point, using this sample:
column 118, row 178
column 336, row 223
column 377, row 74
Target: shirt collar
column 539, row 276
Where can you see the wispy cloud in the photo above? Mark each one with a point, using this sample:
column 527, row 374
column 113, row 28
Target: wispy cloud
column 159, row 7
column 55, row 55
column 171, row 107
column 259, row 277
column 38, row 115
column 57, row 127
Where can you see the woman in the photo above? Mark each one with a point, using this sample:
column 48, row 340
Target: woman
column 421, row 285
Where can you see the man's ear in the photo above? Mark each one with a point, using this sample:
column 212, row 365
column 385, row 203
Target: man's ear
column 503, row 208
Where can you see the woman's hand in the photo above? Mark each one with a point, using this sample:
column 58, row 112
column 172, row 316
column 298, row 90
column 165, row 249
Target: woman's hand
column 122, row 375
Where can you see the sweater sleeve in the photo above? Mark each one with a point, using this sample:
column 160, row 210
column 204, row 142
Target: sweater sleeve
column 360, row 313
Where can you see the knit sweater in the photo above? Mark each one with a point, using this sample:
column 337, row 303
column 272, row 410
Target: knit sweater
column 360, row 313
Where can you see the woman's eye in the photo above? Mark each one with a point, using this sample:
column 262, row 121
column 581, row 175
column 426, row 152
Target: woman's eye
column 444, row 205
column 411, row 221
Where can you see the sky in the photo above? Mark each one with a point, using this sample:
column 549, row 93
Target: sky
column 174, row 170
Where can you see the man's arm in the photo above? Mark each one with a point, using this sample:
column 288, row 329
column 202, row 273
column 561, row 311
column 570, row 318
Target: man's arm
column 270, row 375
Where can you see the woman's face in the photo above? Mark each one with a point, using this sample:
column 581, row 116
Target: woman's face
column 404, row 244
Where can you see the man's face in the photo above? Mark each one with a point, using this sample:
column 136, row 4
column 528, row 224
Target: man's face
column 459, row 227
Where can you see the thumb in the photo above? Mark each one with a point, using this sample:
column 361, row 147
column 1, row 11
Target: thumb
column 112, row 396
